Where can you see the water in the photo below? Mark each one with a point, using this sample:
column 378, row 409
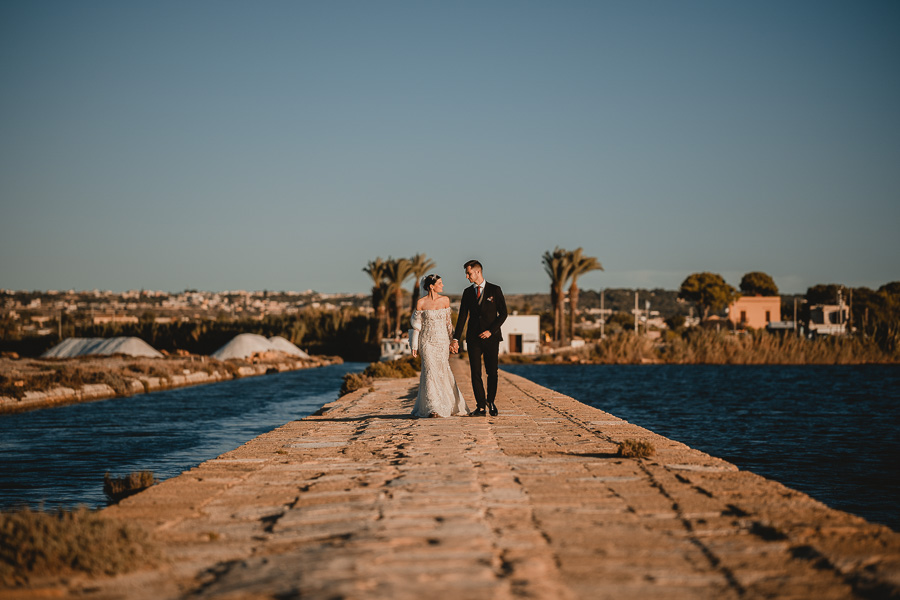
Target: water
column 59, row 455
column 832, row 432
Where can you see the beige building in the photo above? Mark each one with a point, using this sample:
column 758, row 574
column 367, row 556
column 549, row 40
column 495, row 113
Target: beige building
column 755, row 311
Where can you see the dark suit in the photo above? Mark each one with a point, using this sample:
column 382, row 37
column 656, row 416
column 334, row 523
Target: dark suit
column 487, row 314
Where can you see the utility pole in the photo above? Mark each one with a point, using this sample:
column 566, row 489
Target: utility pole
column 841, row 310
column 795, row 315
column 602, row 316
column 647, row 318
column 850, row 313
column 636, row 332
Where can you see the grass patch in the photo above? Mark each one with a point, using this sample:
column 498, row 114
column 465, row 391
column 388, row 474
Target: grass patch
column 635, row 449
column 64, row 542
column 119, row 488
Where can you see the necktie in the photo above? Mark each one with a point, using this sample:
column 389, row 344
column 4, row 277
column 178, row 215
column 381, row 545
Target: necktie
column 478, row 292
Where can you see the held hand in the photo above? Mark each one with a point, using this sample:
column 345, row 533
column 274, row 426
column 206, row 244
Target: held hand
column 485, row 335
column 454, row 347
column 415, row 353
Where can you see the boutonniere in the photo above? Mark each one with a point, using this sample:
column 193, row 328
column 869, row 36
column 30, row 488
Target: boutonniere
column 490, row 298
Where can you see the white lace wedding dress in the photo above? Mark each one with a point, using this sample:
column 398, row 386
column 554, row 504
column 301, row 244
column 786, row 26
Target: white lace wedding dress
column 438, row 393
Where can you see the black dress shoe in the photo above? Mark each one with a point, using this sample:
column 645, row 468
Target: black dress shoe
column 478, row 413
column 493, row 409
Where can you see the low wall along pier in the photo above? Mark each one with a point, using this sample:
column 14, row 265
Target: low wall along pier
column 360, row 501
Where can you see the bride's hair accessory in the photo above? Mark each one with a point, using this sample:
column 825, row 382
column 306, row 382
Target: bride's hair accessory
column 428, row 281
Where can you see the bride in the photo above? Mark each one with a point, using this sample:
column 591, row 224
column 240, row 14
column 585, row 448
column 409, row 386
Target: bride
column 439, row 396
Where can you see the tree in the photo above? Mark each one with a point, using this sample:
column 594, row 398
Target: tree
column 757, row 283
column 824, row 293
column 580, row 264
column 420, row 266
column 559, row 268
column 397, row 272
column 876, row 314
column 708, row 291
column 377, row 271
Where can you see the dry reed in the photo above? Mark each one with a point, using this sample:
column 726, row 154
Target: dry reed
column 63, row 542
column 119, row 488
column 705, row 346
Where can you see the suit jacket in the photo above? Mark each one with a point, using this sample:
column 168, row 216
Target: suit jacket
column 487, row 314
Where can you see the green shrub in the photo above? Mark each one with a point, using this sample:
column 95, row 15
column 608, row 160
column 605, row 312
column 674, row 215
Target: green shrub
column 635, row 449
column 118, row 488
column 41, row 544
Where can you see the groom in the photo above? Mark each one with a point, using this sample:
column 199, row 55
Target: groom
column 484, row 306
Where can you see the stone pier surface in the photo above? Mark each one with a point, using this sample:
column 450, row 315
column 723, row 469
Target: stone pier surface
column 360, row 501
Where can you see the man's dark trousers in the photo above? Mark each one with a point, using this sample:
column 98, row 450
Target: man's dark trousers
column 479, row 315
column 489, row 351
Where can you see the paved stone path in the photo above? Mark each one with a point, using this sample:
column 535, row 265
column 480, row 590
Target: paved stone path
column 362, row 502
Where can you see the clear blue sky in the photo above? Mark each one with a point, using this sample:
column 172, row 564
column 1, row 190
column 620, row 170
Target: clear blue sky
column 283, row 145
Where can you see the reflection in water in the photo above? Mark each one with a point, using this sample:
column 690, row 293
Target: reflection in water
column 59, row 455
column 832, row 432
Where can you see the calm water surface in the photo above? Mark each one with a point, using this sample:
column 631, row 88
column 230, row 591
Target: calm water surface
column 59, row 455
column 832, row 432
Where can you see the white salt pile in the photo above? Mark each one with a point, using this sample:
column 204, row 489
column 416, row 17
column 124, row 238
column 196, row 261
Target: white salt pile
column 283, row 345
column 130, row 346
column 248, row 344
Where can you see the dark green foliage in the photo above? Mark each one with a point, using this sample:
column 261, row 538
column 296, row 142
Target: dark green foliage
column 825, row 293
column 675, row 321
column 757, row 283
column 876, row 315
column 620, row 320
column 708, row 291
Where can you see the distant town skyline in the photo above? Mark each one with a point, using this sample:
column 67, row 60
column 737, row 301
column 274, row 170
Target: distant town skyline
column 282, row 145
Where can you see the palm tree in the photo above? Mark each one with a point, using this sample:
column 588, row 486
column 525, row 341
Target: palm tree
column 397, row 272
column 581, row 264
column 420, row 265
column 377, row 270
column 558, row 267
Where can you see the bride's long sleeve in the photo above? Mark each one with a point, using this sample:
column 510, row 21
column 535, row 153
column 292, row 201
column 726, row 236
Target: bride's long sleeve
column 449, row 326
column 416, row 322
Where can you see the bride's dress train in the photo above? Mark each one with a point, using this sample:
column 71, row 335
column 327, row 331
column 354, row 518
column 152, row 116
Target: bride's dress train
column 438, row 393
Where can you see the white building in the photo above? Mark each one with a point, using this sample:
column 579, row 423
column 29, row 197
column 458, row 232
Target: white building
column 828, row 319
column 521, row 335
